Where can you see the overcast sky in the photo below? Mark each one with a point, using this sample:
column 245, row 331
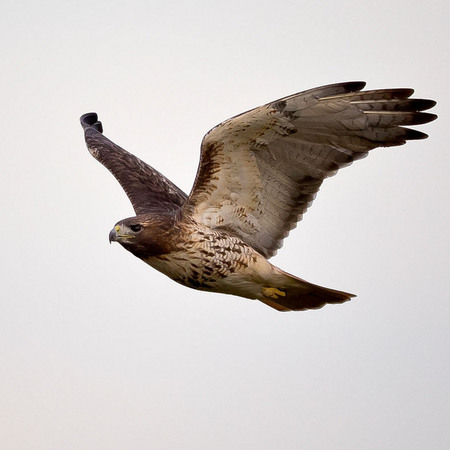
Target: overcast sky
column 100, row 352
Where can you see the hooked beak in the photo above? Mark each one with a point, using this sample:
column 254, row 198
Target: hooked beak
column 117, row 234
column 113, row 233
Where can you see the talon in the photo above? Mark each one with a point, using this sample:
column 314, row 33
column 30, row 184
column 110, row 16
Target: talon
column 273, row 292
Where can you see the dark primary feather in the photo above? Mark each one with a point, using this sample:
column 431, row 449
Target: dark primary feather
column 260, row 171
column 147, row 189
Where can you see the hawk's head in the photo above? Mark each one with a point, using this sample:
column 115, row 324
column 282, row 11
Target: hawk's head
column 145, row 235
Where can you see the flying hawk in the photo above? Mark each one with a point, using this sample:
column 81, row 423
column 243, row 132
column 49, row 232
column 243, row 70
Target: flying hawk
column 258, row 174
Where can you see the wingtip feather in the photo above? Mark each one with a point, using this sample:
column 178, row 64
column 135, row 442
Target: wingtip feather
column 354, row 86
column 90, row 120
column 414, row 135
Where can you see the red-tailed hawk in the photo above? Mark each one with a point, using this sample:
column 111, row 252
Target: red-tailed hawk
column 258, row 174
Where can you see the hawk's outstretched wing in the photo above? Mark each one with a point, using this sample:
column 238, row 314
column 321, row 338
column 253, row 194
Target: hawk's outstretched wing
column 260, row 171
column 147, row 189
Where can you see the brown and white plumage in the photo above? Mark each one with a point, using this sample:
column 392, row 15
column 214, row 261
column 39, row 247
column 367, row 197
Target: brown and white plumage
column 258, row 173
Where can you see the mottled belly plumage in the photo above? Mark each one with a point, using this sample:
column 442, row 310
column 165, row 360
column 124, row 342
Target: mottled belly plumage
column 206, row 259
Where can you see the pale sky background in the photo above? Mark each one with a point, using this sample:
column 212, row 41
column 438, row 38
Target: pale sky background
column 100, row 352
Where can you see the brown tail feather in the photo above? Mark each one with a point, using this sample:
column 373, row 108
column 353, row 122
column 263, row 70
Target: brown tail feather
column 302, row 295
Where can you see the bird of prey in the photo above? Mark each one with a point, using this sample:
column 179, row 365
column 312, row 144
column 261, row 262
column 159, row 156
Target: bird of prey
column 258, row 174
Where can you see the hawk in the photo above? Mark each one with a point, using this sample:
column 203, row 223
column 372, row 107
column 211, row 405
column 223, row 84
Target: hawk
column 258, row 174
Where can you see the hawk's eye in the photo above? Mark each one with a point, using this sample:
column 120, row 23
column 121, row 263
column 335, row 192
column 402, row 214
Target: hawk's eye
column 136, row 227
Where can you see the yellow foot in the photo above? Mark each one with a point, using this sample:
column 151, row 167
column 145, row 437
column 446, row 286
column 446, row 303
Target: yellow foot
column 273, row 292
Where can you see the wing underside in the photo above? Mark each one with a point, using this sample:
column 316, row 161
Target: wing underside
column 260, row 171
